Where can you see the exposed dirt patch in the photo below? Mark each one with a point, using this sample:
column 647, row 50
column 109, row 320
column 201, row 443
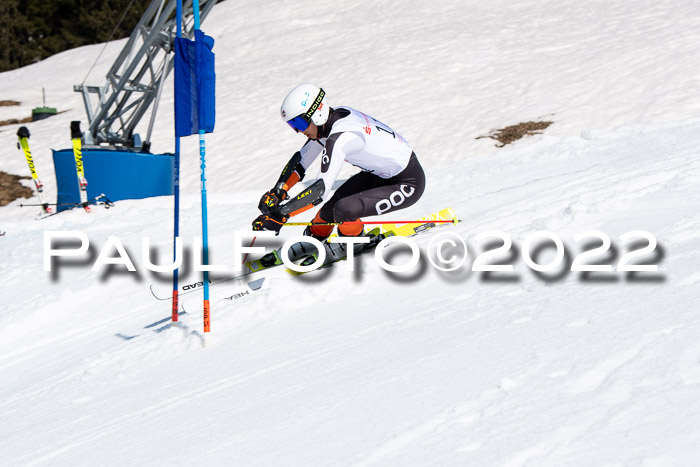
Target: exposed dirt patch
column 14, row 121
column 513, row 133
column 11, row 188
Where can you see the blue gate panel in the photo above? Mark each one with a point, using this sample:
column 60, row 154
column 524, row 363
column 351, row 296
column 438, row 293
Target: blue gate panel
column 116, row 173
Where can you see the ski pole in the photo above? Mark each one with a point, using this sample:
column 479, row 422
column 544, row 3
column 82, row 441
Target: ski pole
column 451, row 221
column 96, row 198
column 101, row 200
column 51, row 204
column 250, row 246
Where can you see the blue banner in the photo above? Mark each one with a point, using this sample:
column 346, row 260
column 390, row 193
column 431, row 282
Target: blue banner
column 195, row 82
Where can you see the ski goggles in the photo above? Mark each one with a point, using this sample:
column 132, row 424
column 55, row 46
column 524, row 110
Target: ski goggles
column 301, row 122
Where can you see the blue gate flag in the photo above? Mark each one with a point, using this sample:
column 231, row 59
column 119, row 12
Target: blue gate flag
column 195, row 82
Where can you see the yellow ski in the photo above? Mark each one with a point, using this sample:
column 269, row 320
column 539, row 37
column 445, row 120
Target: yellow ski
column 406, row 230
column 335, row 252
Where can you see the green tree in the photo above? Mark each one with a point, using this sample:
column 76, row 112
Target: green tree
column 31, row 30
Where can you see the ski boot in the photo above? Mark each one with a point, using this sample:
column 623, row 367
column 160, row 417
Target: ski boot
column 338, row 251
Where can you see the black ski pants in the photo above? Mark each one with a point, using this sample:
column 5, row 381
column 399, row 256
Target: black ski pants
column 365, row 194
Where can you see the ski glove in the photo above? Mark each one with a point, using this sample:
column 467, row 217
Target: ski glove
column 272, row 199
column 269, row 222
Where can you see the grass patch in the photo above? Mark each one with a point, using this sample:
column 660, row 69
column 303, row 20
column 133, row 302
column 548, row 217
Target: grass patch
column 514, row 132
column 14, row 121
column 11, row 188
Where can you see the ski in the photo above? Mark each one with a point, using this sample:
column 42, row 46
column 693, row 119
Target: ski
column 407, row 230
column 76, row 136
column 23, row 143
column 99, row 200
column 270, row 260
column 298, row 251
column 336, row 252
column 197, row 285
column 237, row 293
column 303, row 250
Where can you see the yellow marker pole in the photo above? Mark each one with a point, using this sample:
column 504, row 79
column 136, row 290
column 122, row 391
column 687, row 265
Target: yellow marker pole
column 23, row 135
column 76, row 136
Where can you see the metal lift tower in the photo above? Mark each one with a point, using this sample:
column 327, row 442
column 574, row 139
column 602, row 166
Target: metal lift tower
column 136, row 78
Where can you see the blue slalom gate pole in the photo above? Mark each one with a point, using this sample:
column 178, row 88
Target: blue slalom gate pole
column 205, row 235
column 176, row 193
column 176, row 227
column 195, row 11
column 205, row 232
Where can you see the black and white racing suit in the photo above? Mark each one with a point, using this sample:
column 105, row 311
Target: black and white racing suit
column 391, row 177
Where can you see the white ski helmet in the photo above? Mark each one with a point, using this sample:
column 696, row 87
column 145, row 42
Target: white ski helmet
column 305, row 104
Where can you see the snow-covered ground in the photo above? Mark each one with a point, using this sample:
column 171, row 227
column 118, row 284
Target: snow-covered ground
column 369, row 368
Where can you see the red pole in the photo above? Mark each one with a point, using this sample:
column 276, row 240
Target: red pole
column 451, row 221
column 251, row 244
column 176, row 306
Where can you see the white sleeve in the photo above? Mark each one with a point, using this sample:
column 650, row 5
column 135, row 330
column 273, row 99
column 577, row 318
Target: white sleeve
column 337, row 148
column 309, row 152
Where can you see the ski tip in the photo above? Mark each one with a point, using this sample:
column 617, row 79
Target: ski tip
column 153, row 292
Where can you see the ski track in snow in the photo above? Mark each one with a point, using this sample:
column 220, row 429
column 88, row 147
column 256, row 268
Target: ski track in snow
column 364, row 368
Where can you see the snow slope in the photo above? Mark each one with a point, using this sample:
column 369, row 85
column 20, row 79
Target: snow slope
column 368, row 368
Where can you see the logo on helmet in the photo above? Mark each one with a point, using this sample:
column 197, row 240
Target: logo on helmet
column 315, row 106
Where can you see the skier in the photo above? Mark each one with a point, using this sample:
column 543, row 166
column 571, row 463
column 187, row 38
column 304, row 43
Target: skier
column 391, row 177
